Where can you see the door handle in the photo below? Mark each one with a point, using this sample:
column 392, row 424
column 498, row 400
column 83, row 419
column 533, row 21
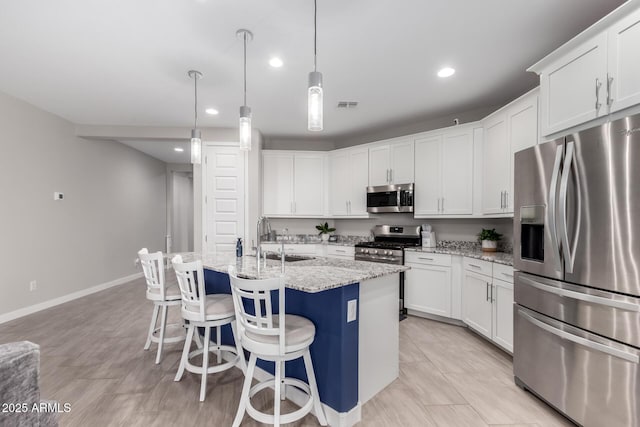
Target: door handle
column 598, row 85
column 609, row 97
column 629, row 357
column 564, row 182
column 551, row 210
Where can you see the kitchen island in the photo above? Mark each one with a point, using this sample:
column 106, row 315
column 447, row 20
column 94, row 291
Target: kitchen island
column 354, row 306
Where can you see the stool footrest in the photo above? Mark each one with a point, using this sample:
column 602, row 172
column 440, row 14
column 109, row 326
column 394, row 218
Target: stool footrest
column 215, row 368
column 284, row 418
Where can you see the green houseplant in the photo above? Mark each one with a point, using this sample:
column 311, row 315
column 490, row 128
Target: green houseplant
column 324, row 230
column 489, row 239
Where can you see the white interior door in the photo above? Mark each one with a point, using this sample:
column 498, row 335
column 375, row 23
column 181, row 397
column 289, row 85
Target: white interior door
column 224, row 198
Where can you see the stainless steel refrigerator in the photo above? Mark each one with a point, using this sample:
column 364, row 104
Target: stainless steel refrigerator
column 577, row 294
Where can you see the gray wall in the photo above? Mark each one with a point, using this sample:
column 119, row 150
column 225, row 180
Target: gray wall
column 114, row 204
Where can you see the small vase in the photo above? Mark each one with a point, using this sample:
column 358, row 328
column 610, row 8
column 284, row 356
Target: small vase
column 325, row 237
column 489, row 246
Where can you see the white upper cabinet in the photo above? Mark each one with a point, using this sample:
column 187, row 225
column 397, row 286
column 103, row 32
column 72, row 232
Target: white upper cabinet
column 348, row 180
column 428, row 185
column 507, row 131
column 623, row 63
column 293, row 183
column 594, row 74
column 444, row 173
column 391, row 163
column 495, row 163
column 573, row 88
column 277, row 181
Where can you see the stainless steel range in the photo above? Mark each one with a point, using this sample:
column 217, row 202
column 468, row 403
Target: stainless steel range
column 388, row 247
column 389, row 243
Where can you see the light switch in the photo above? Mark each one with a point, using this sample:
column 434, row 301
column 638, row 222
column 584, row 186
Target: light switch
column 352, row 310
column 58, row 196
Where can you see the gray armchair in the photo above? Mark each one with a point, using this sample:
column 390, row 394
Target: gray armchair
column 20, row 386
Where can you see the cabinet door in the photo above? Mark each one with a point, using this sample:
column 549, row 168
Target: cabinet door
column 357, row 184
column 308, row 184
column 624, row 67
column 568, row 88
column 457, row 173
column 402, row 162
column 379, row 165
column 495, row 164
column 503, row 314
column 428, row 289
column 428, row 171
column 523, row 133
column 476, row 302
column 339, row 183
column 277, row 183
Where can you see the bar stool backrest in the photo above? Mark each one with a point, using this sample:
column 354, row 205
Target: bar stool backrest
column 254, row 311
column 153, row 268
column 190, row 277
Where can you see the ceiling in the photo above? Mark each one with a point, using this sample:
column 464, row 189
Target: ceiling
column 101, row 62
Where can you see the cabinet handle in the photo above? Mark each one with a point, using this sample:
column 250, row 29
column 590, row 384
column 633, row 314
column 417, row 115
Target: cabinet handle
column 426, row 259
column 501, row 199
column 341, row 251
column 387, row 176
column 487, row 289
column 598, row 85
column 506, row 199
column 390, row 176
column 443, row 205
column 507, row 274
column 438, row 204
column 609, row 97
column 475, row 266
column 349, row 206
column 492, row 300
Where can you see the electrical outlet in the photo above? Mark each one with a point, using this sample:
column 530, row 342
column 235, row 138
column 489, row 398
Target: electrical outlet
column 352, row 310
column 33, row 285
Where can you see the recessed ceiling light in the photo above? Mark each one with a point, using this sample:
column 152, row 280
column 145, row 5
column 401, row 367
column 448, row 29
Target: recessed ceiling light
column 211, row 111
column 275, row 62
column 178, row 149
column 446, row 72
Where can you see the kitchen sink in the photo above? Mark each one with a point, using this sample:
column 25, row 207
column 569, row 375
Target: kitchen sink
column 289, row 258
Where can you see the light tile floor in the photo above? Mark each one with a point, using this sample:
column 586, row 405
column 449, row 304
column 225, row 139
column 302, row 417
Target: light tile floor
column 92, row 357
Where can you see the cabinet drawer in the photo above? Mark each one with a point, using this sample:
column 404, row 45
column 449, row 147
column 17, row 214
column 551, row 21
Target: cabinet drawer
column 503, row 272
column 427, row 258
column 300, row 249
column 341, row 251
column 478, row 266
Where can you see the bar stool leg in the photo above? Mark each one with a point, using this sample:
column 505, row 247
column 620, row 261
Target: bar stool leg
column 205, row 362
column 219, row 343
column 163, row 327
column 244, row 396
column 236, row 338
column 317, row 406
column 185, row 353
column 277, row 394
column 152, row 327
column 283, row 390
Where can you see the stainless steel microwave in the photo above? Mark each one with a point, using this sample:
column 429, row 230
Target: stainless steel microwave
column 390, row 198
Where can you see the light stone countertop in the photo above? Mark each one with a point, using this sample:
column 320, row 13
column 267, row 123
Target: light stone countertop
column 497, row 257
column 313, row 275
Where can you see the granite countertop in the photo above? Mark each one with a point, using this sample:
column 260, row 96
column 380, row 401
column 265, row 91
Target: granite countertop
column 271, row 242
column 471, row 251
column 314, row 239
column 313, row 275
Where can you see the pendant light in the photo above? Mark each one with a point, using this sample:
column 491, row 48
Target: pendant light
column 196, row 142
column 244, row 124
column 314, row 96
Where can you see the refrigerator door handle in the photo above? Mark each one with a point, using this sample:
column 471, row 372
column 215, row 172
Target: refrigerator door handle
column 622, row 305
column 564, row 183
column 551, row 209
column 629, row 357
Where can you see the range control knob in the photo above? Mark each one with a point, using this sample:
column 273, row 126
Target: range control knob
column 375, row 251
column 388, row 252
column 366, row 251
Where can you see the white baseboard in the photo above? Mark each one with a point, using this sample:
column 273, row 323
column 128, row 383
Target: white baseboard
column 12, row 315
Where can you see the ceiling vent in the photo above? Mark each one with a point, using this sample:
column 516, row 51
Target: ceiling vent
column 347, row 104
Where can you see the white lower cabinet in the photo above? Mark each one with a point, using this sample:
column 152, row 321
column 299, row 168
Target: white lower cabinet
column 487, row 300
column 428, row 285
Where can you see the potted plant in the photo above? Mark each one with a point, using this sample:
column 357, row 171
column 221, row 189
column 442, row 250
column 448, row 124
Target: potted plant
column 489, row 239
column 324, row 230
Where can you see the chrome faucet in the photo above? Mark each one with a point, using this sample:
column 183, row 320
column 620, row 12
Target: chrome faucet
column 261, row 220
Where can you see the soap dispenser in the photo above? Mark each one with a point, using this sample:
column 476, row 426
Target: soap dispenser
column 239, row 248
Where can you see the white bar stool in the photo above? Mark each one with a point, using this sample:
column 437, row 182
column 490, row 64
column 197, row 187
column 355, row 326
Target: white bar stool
column 205, row 311
column 273, row 337
column 163, row 296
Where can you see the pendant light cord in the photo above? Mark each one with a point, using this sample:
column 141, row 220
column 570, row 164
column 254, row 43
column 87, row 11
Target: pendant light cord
column 315, row 35
column 195, row 105
column 245, row 68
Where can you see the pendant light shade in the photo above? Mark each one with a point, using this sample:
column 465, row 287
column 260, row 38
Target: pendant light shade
column 314, row 94
column 196, row 141
column 244, row 124
column 245, row 128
